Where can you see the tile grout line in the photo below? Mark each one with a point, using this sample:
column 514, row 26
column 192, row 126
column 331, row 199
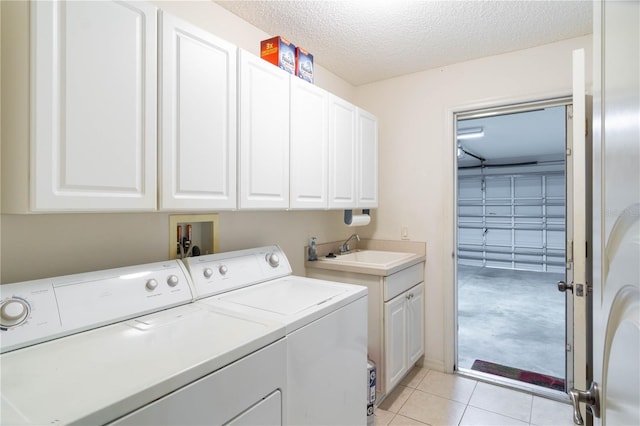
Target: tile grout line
column 412, row 385
column 466, row 407
column 531, row 410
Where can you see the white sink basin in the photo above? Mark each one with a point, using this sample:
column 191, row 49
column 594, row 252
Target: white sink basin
column 370, row 258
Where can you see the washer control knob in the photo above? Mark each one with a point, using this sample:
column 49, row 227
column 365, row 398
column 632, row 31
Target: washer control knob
column 223, row 269
column 173, row 280
column 152, row 284
column 13, row 312
column 208, row 272
column 273, row 259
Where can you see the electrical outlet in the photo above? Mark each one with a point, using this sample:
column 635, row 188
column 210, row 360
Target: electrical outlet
column 404, row 233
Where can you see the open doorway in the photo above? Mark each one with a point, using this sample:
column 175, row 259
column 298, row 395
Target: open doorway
column 512, row 322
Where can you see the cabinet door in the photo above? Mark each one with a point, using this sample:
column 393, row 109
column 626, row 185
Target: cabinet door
column 94, row 112
column 415, row 323
column 309, row 145
column 367, row 160
column 395, row 335
column 264, row 134
column 198, row 139
column 342, row 154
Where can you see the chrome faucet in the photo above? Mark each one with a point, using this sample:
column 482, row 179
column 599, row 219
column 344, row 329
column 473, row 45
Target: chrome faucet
column 345, row 246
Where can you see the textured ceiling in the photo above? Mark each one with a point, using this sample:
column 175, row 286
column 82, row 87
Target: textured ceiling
column 363, row 41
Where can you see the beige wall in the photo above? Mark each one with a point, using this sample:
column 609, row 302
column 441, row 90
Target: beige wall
column 418, row 154
column 416, row 175
column 38, row 246
column 228, row 26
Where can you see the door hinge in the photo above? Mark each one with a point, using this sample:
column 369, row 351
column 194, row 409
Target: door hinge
column 568, row 347
column 568, row 152
column 586, row 127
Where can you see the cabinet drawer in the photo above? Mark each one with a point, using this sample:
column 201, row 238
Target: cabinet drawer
column 403, row 280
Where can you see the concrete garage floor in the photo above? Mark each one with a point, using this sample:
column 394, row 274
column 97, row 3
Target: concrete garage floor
column 512, row 318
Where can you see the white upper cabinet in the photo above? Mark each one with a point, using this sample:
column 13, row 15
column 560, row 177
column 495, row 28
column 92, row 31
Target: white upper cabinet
column 115, row 107
column 368, row 160
column 264, row 134
column 93, row 141
column 342, row 154
column 198, row 118
column 309, row 150
column 353, row 156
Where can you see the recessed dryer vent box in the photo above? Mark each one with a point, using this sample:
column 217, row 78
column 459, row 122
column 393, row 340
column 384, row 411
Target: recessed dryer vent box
column 191, row 235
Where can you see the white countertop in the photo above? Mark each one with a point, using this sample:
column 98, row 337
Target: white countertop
column 392, row 256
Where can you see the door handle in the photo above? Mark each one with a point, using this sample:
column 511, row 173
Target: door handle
column 563, row 286
column 590, row 397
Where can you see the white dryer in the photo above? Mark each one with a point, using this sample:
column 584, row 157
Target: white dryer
column 126, row 346
column 325, row 323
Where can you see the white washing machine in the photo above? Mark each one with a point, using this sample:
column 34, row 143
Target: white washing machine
column 325, row 323
column 126, row 346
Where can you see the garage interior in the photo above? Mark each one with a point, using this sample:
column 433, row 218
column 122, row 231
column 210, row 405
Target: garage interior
column 511, row 220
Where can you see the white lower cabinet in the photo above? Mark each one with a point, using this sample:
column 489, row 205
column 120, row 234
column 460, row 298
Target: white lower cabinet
column 415, row 330
column 395, row 338
column 404, row 334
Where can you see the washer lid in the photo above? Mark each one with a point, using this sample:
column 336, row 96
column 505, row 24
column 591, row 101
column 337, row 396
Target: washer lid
column 99, row 375
column 286, row 296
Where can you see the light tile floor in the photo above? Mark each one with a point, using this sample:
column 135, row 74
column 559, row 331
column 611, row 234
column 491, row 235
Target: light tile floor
column 428, row 397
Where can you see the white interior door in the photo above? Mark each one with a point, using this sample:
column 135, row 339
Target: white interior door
column 578, row 222
column 616, row 212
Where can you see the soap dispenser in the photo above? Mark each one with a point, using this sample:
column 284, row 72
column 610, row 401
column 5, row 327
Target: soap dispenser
column 313, row 254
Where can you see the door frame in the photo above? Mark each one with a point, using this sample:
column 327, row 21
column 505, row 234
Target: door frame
column 451, row 315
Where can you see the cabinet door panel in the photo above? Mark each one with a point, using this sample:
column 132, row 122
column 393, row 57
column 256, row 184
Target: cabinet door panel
column 94, row 112
column 395, row 334
column 415, row 327
column 309, row 145
column 198, row 149
column 368, row 160
column 342, row 154
column 264, row 134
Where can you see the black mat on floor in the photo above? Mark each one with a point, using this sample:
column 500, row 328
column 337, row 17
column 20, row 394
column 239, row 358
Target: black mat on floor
column 518, row 374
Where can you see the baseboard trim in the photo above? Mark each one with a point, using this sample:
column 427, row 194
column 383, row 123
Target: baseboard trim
column 434, row 364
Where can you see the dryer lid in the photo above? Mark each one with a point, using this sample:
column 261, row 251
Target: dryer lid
column 286, row 296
